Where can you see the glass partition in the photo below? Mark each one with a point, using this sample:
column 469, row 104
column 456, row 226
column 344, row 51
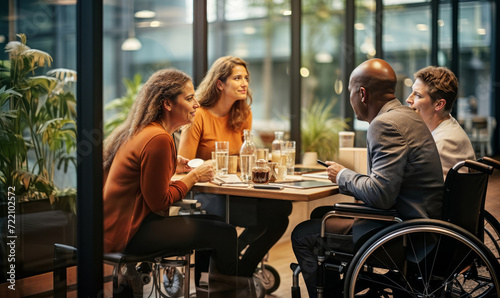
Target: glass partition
column 141, row 37
column 407, row 40
column 37, row 137
column 259, row 33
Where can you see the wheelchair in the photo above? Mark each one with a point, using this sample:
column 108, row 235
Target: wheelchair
column 419, row 257
column 491, row 224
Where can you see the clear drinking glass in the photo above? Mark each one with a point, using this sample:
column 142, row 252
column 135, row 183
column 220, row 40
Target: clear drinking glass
column 290, row 157
column 221, row 157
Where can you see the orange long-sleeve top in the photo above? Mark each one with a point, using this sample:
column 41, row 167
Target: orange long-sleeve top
column 208, row 128
column 138, row 182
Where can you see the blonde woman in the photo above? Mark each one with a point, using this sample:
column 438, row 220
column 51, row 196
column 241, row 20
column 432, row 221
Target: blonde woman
column 225, row 98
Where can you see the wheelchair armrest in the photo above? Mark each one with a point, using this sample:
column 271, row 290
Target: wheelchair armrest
column 490, row 161
column 363, row 209
column 356, row 210
column 478, row 166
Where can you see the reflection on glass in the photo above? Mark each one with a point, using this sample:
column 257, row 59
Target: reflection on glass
column 474, row 75
column 259, row 33
column 322, row 52
column 163, row 28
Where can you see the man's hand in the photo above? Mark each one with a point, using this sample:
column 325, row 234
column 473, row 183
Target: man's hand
column 333, row 169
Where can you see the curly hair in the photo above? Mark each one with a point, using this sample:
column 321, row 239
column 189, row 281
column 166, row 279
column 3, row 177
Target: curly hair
column 208, row 94
column 441, row 82
column 163, row 85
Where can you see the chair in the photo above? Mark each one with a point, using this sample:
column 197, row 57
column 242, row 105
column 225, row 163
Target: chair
column 65, row 256
column 420, row 257
column 480, row 131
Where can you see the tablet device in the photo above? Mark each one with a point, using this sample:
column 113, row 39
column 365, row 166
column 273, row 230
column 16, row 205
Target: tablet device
column 307, row 184
column 303, row 170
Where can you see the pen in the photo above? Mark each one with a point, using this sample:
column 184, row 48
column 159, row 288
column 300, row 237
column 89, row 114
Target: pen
column 322, row 163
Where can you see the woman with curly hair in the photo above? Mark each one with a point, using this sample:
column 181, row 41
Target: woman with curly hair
column 139, row 162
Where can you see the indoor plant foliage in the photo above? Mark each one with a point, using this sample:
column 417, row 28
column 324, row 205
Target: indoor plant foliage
column 121, row 106
column 37, row 114
column 320, row 130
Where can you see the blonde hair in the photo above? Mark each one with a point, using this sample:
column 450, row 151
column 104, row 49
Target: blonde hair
column 163, row 85
column 208, row 94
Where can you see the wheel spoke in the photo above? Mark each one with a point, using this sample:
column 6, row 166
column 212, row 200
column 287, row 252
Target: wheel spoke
column 425, row 262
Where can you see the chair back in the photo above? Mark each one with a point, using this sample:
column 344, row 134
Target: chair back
column 465, row 195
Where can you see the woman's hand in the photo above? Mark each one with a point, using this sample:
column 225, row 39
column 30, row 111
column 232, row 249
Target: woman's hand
column 205, row 172
column 182, row 166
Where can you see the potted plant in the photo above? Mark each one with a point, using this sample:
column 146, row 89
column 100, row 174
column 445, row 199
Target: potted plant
column 38, row 137
column 38, row 113
column 320, row 132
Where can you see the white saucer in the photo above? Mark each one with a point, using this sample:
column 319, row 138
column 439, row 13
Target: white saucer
column 193, row 163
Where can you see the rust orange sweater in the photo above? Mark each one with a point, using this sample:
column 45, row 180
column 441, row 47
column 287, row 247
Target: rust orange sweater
column 138, row 183
column 206, row 130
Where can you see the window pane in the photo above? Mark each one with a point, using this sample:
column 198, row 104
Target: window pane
column 163, row 32
column 38, row 145
column 407, row 40
column 322, row 52
column 474, row 38
column 259, row 33
column 364, row 30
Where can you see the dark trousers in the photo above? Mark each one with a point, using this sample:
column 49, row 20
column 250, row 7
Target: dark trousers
column 184, row 233
column 264, row 222
column 305, row 238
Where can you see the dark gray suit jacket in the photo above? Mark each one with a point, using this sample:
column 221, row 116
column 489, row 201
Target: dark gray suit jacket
column 404, row 169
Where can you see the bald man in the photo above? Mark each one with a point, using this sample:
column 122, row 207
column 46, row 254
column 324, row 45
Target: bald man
column 404, row 171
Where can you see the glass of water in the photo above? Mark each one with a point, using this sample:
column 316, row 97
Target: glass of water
column 221, row 158
column 290, row 157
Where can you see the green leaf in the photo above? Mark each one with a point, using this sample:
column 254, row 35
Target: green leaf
column 319, row 129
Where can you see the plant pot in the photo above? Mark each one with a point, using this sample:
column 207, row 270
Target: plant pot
column 309, row 159
column 38, row 225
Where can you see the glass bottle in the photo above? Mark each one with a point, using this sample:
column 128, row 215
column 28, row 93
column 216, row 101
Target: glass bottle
column 248, row 156
column 260, row 172
column 276, row 146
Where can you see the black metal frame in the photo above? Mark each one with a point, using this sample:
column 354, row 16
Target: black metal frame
column 89, row 149
column 295, row 79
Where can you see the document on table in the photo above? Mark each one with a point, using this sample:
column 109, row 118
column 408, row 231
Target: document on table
column 229, row 180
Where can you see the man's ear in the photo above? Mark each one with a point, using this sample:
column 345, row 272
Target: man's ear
column 363, row 94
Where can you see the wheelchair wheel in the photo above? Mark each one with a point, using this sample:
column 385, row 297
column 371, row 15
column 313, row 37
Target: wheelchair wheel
column 270, row 278
column 492, row 234
column 423, row 258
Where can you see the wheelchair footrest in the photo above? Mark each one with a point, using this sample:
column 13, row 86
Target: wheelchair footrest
column 334, row 267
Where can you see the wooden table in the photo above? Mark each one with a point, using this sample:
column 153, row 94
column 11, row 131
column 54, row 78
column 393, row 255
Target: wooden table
column 289, row 194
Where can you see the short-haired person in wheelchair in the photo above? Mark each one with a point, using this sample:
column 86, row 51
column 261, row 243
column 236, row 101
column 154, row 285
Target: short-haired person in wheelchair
column 404, row 172
column 433, row 94
column 139, row 162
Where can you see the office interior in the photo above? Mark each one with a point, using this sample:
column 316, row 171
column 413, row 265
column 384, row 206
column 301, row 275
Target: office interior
column 299, row 52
